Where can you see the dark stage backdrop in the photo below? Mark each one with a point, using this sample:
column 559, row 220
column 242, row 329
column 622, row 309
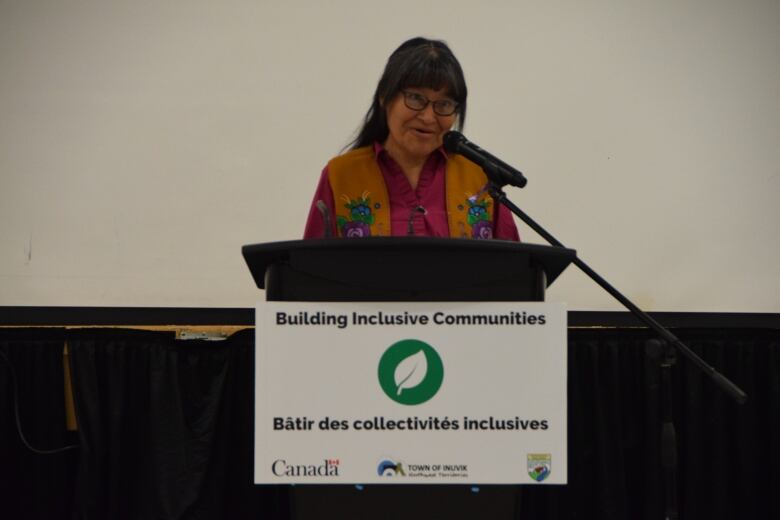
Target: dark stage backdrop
column 165, row 432
column 31, row 485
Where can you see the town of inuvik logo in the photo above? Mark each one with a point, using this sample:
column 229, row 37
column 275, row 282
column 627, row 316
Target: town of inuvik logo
column 389, row 468
column 539, row 466
column 410, row 372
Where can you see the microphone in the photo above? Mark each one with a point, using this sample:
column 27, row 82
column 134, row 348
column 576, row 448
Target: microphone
column 325, row 212
column 455, row 142
column 410, row 222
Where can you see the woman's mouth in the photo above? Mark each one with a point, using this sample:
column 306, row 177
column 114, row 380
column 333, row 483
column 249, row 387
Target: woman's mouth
column 422, row 132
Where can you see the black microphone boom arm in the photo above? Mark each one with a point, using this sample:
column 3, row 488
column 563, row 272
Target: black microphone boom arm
column 719, row 379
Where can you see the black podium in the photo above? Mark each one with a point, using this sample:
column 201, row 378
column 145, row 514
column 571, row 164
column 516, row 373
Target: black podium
column 403, row 269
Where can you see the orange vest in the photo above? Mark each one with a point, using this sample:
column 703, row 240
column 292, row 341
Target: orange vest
column 363, row 205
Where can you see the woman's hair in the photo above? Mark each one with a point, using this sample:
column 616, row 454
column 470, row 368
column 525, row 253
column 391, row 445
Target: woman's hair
column 418, row 62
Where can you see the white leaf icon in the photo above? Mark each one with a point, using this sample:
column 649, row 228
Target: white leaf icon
column 411, row 371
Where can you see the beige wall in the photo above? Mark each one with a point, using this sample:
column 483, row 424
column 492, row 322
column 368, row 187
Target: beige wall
column 143, row 142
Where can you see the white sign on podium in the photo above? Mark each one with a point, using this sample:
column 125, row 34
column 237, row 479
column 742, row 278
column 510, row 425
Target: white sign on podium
column 410, row 393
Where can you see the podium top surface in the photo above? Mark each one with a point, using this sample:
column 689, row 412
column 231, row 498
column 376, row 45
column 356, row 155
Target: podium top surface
column 553, row 260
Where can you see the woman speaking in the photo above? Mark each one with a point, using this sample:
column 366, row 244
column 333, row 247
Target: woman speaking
column 396, row 179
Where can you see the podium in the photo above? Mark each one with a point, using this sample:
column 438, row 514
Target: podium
column 403, row 269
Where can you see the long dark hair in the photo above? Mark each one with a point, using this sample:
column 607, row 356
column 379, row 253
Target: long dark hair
column 418, row 62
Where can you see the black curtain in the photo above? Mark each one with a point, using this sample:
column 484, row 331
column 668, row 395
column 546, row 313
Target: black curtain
column 34, row 485
column 729, row 454
column 166, row 433
column 166, row 427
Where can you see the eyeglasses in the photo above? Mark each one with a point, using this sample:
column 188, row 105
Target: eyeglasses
column 442, row 107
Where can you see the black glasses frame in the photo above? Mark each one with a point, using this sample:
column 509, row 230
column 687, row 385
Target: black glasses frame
column 437, row 105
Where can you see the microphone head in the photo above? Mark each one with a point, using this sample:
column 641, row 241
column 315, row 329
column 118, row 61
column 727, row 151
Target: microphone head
column 452, row 141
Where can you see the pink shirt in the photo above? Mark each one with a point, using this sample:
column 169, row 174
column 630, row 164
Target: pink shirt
column 430, row 195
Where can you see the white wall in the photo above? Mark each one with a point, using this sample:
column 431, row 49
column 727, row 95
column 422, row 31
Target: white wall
column 143, row 142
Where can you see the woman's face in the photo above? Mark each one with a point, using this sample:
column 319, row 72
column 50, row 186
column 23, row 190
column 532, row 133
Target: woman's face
column 414, row 134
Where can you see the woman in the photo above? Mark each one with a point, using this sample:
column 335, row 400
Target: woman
column 397, row 179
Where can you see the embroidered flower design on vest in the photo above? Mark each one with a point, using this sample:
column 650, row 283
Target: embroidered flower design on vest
column 479, row 218
column 360, row 218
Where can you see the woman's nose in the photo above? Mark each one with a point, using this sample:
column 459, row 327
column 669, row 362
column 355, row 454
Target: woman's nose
column 427, row 113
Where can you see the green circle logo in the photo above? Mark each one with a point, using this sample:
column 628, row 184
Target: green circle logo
column 410, row 372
